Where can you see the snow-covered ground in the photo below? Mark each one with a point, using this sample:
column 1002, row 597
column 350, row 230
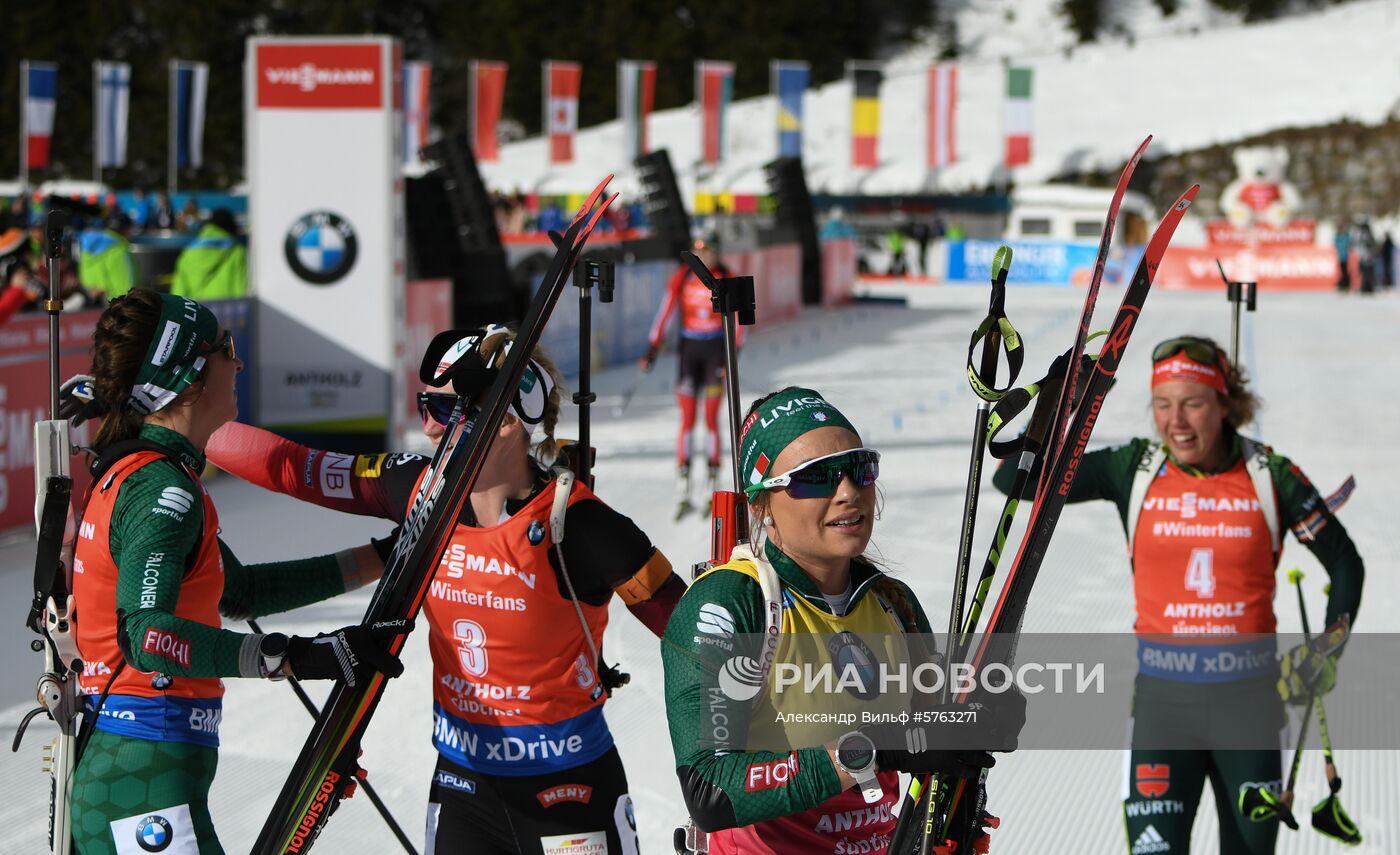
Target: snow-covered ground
column 1195, row 79
column 1320, row 361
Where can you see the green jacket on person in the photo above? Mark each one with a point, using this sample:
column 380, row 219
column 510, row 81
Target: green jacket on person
column 106, row 264
column 213, row 267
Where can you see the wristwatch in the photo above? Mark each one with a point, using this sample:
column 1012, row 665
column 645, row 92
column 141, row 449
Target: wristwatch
column 273, row 650
column 855, row 755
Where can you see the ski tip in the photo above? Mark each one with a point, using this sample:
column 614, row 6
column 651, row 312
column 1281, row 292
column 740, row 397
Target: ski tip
column 1001, row 261
column 1188, row 197
column 1295, row 576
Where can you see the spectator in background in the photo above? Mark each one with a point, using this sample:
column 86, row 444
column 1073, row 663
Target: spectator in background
column 1363, row 244
column 105, row 266
column 836, row 227
column 895, row 241
column 215, row 265
column 20, row 286
column 552, row 218
column 1343, row 244
column 189, row 219
column 162, row 215
column 1387, row 262
column 956, row 231
column 141, row 210
column 922, row 234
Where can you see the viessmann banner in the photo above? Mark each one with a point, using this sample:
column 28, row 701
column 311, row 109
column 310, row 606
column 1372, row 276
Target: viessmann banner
column 326, row 229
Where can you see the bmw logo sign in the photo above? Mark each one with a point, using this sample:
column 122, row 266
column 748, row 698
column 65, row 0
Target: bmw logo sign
column 855, row 663
column 535, row 532
column 153, row 834
column 321, row 247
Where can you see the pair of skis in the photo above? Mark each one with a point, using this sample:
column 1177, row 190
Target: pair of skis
column 1066, row 441
column 327, row 765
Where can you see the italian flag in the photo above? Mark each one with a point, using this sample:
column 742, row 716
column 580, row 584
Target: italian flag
column 1018, row 116
column 760, row 468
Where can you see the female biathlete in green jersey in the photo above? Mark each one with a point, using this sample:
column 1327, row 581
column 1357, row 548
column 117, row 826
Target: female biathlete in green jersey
column 1205, row 510
column 151, row 578
column 803, row 594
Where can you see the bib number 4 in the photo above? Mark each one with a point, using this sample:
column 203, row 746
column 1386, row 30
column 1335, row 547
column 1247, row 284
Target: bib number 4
column 1200, row 572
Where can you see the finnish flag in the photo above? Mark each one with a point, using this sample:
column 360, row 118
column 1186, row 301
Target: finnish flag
column 113, row 82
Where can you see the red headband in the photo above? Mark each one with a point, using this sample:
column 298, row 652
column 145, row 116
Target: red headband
column 1179, row 366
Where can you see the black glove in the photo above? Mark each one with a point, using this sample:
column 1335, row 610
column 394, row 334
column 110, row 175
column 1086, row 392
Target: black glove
column 384, row 546
column 77, row 399
column 649, row 361
column 350, row 654
column 1000, row 718
column 962, row 764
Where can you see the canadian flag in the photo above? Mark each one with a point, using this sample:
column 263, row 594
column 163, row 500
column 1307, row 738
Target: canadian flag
column 561, row 108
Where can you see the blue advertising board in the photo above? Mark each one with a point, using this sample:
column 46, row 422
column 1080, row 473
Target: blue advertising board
column 1033, row 262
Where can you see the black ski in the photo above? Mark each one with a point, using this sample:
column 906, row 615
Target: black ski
column 327, row 764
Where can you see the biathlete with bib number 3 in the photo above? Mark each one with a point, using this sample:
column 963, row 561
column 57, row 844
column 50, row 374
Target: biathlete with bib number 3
column 1205, row 510
column 526, row 762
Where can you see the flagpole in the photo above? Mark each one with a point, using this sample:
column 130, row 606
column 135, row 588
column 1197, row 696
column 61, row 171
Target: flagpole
column 172, row 167
column 24, row 126
column 97, row 121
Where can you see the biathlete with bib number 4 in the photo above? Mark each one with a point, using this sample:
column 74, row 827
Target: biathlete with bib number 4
column 516, row 612
column 151, row 577
column 1205, row 510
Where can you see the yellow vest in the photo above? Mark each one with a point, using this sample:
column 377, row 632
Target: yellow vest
column 827, row 672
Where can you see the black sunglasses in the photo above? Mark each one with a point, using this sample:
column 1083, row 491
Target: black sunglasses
column 1195, row 348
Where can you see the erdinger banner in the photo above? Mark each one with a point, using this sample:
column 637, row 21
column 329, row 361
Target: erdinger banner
column 326, row 232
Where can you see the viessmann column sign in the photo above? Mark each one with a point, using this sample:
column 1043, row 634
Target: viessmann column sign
column 326, row 232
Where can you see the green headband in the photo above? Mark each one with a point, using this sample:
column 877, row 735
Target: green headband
column 774, row 425
column 174, row 360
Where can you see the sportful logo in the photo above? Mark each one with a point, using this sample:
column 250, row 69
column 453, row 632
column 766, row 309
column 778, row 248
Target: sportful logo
column 309, row 75
column 715, row 620
column 176, row 500
column 1150, row 841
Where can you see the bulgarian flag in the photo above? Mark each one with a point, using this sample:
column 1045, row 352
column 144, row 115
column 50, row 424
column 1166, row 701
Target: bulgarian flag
column 1018, row 116
column 636, row 90
column 487, row 93
column 714, row 87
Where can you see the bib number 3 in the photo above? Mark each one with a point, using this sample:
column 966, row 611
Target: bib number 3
column 471, row 646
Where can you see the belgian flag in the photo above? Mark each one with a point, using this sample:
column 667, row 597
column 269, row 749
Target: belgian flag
column 865, row 113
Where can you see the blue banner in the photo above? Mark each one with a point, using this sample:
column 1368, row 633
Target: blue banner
column 1032, row 262
column 790, row 83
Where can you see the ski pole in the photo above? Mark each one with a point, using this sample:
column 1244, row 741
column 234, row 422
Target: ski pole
column 1328, row 816
column 364, row 784
column 1237, row 293
column 994, row 330
column 601, row 274
column 991, row 332
column 733, row 299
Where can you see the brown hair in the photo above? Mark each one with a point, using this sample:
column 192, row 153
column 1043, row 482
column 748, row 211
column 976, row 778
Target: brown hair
column 124, row 333
column 547, row 448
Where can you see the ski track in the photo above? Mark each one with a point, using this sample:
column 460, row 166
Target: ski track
column 899, row 373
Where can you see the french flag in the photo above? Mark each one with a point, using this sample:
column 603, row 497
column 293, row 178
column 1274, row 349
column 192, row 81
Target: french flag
column 40, row 82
